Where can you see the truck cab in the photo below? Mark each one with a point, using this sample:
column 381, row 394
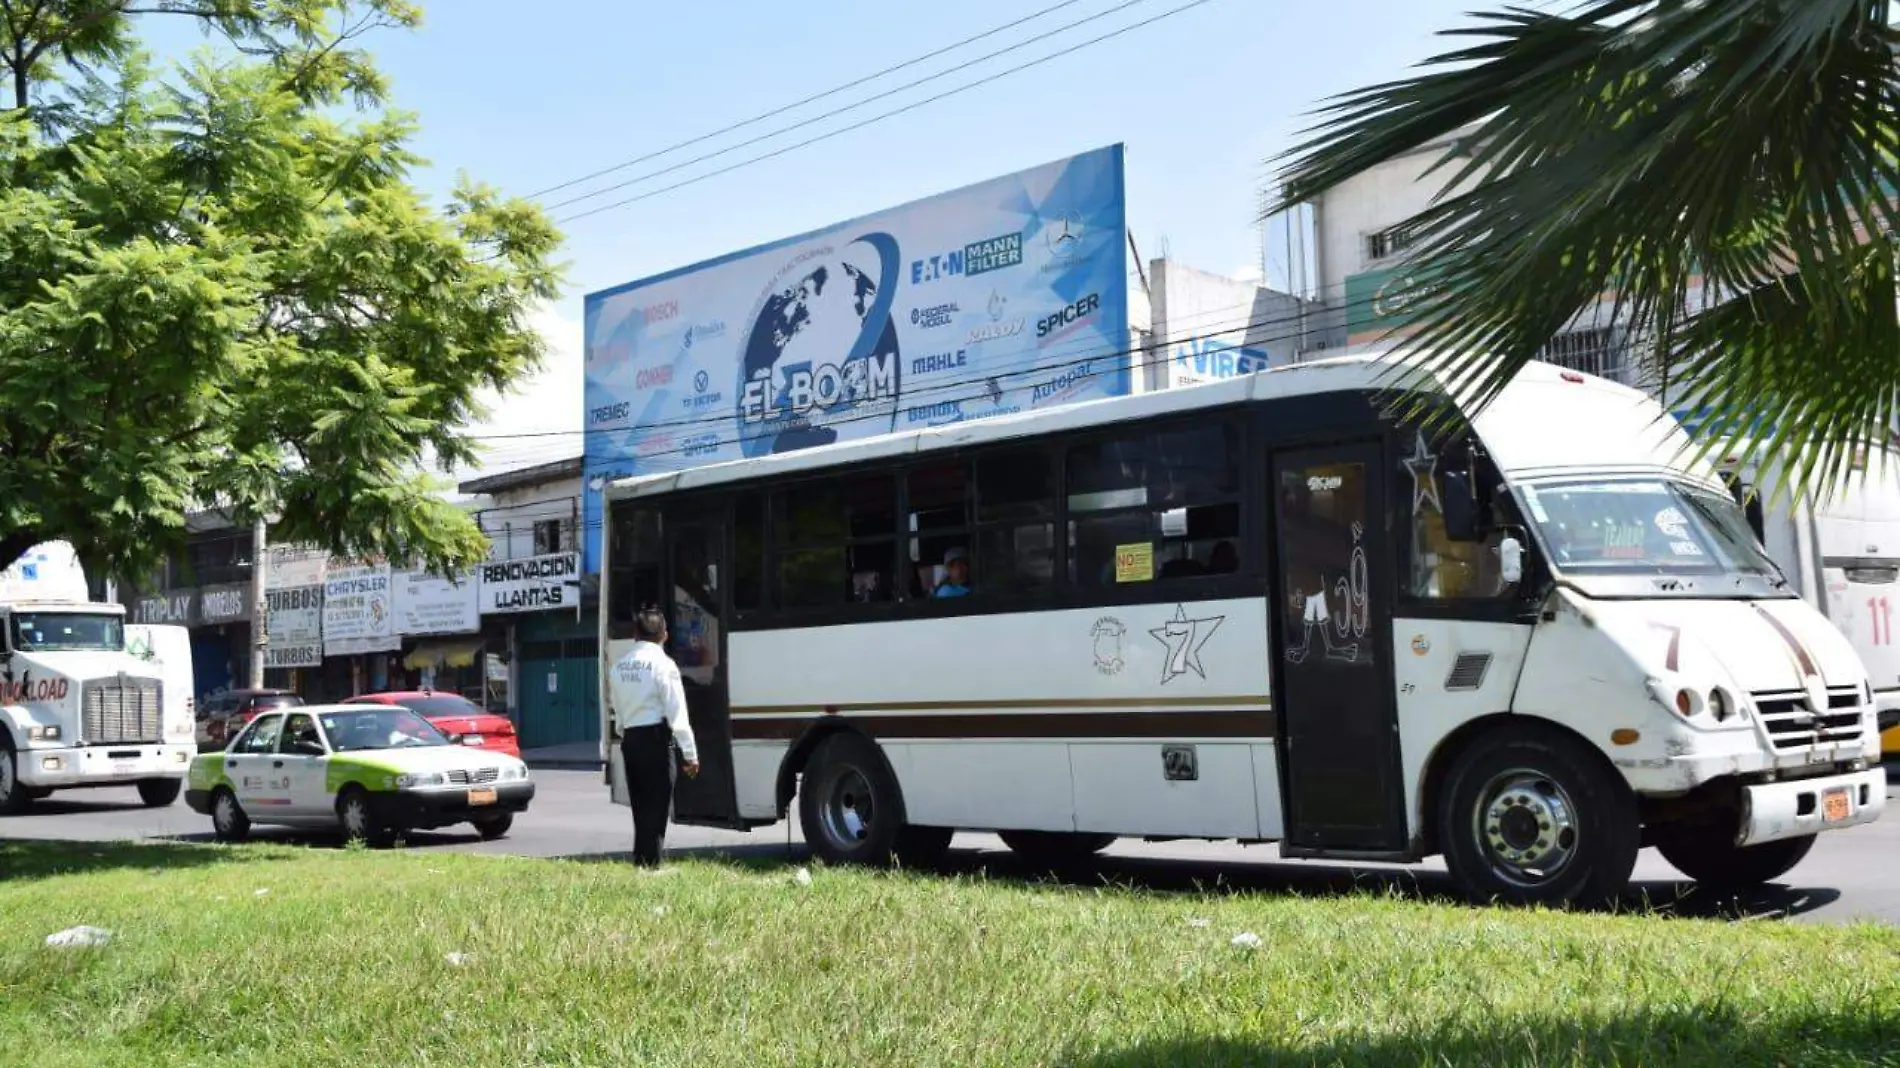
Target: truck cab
column 78, row 710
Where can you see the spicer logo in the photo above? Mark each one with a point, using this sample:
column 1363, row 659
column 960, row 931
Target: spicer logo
column 937, row 361
column 609, row 413
column 648, row 377
column 934, row 317
column 977, row 257
column 1070, row 315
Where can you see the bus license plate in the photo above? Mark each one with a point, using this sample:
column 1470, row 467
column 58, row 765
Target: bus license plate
column 124, row 768
column 1835, row 805
column 481, row 797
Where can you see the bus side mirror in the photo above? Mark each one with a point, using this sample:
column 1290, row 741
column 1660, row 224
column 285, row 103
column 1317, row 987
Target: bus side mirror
column 1459, row 506
column 1511, row 560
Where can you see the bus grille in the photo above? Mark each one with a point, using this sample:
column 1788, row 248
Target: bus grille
column 1792, row 724
column 117, row 711
column 478, row 776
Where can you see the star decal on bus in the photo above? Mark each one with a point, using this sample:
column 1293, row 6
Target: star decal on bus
column 1185, row 638
column 1424, row 467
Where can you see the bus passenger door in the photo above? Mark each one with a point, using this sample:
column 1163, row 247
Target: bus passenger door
column 697, row 574
column 1339, row 752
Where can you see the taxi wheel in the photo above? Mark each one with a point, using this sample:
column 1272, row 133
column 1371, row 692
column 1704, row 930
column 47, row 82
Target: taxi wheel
column 359, row 819
column 494, row 826
column 157, row 793
column 1714, row 861
column 228, row 820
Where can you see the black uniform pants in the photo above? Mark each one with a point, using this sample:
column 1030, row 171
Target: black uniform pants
column 647, row 755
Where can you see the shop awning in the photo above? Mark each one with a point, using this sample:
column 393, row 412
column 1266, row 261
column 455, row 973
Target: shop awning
column 446, row 652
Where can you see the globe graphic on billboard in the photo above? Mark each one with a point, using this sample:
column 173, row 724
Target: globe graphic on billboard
column 822, row 355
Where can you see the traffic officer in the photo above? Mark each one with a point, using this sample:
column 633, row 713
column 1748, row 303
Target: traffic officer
column 649, row 708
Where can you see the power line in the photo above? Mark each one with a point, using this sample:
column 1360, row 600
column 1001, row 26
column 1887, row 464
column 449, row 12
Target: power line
column 835, row 112
column 814, row 98
column 749, row 161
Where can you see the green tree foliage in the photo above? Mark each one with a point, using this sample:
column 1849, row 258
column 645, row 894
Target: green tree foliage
column 219, row 289
column 1631, row 147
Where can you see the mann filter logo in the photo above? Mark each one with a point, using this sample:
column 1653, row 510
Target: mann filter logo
column 977, row 257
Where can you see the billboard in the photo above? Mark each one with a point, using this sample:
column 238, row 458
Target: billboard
column 999, row 297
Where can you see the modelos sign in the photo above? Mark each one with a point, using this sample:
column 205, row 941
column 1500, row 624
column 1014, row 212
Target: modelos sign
column 536, row 584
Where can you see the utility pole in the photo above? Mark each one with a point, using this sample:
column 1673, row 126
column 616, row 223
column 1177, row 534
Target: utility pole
column 260, row 609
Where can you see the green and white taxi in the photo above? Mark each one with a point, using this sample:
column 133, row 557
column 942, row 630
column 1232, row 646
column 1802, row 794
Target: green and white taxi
column 373, row 770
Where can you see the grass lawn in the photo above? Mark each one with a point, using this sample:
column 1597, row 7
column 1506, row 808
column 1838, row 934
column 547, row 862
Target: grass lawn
column 279, row 956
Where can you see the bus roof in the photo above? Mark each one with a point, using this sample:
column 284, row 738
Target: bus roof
column 1532, row 437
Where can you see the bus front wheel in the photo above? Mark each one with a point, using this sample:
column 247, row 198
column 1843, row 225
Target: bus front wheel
column 848, row 803
column 1710, row 856
column 1531, row 816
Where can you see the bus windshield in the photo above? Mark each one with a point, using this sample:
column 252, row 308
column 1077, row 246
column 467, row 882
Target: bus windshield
column 68, row 632
column 1644, row 528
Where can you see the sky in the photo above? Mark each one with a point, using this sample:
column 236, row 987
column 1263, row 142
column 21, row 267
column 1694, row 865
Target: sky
column 1203, row 99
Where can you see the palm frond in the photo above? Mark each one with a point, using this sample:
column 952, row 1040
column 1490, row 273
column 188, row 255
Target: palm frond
column 1630, row 150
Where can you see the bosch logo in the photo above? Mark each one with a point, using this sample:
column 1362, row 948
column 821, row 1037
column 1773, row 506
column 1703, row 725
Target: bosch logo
column 661, row 312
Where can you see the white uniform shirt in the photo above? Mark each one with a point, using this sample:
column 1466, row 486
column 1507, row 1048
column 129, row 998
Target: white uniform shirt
column 645, row 689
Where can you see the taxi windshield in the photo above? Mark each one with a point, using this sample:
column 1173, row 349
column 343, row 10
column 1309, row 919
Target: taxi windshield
column 380, row 728
column 1644, row 527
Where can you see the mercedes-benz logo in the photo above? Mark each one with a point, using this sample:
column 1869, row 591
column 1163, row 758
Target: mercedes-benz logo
column 1064, row 234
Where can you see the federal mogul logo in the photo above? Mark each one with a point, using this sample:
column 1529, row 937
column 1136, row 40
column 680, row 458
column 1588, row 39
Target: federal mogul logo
column 977, row 257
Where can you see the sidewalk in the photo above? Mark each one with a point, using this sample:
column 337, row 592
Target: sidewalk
column 574, row 756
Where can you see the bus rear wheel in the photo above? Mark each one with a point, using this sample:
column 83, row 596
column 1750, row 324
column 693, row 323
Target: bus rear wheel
column 1710, row 857
column 1530, row 816
column 849, row 806
column 1055, row 847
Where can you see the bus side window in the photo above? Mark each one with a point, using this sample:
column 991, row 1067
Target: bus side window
column 1155, row 506
column 634, row 567
column 1015, row 515
column 939, row 528
column 1444, row 568
column 748, row 546
column 835, row 542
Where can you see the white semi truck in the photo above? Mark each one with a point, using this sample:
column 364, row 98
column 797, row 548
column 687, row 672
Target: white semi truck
column 77, row 709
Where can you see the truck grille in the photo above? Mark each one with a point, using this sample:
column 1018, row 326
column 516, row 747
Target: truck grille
column 477, row 777
column 122, row 710
column 1792, row 724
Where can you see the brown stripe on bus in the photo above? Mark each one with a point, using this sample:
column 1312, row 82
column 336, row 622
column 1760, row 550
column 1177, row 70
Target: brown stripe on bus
column 1171, row 725
column 1805, row 661
column 1250, row 701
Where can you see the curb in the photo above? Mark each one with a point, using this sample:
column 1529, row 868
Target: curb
column 561, row 764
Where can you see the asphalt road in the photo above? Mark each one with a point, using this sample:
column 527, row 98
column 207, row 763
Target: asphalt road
column 1851, row 875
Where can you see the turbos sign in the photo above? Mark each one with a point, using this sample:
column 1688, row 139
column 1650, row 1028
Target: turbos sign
column 535, row 584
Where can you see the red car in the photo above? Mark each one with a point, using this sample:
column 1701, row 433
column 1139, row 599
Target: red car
column 222, row 716
column 452, row 714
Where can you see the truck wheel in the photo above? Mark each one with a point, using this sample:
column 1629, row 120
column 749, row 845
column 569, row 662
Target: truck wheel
column 1055, row 847
column 1530, row 816
column 359, row 819
column 848, row 804
column 228, row 820
column 1714, row 861
column 157, row 793
column 494, row 827
column 14, row 796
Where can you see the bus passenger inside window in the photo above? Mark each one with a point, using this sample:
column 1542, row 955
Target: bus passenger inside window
column 956, row 574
